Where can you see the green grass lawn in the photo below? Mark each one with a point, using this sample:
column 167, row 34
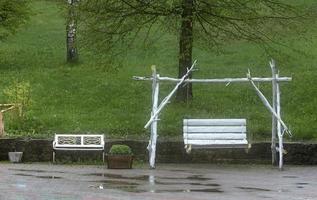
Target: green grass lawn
column 98, row 96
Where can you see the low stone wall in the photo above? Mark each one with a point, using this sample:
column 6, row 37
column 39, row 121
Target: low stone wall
column 39, row 150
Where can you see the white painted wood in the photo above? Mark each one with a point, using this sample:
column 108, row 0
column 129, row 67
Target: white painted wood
column 274, row 120
column 279, row 128
column 168, row 97
column 215, row 136
column 217, row 133
column 153, row 139
column 214, row 122
column 215, row 142
column 220, row 146
column 214, row 129
column 222, row 80
column 79, row 149
column 70, row 146
column 250, row 79
column 84, row 143
column 267, row 104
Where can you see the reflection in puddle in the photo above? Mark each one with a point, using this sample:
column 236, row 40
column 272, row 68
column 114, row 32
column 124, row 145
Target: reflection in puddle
column 105, row 175
column 119, row 185
column 193, row 178
column 44, row 177
column 177, row 170
column 32, row 170
column 133, row 183
column 189, row 190
column 251, row 189
column 147, row 177
column 302, row 183
column 115, row 182
column 206, row 184
column 289, row 176
column 198, row 178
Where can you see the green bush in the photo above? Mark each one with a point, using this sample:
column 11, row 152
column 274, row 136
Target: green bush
column 119, row 149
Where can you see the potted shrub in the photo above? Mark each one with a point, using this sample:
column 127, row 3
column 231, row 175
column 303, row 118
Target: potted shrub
column 120, row 157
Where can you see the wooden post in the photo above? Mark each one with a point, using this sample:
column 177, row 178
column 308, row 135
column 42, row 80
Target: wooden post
column 169, row 96
column 279, row 128
column 153, row 139
column 274, row 120
column 268, row 105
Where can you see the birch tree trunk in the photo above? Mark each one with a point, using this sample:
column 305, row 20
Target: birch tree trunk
column 185, row 49
column 71, row 49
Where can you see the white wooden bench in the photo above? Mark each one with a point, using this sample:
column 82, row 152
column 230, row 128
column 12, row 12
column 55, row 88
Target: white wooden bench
column 215, row 133
column 77, row 142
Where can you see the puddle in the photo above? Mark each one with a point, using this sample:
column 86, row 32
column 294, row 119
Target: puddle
column 146, row 177
column 118, row 185
column 105, row 175
column 198, row 178
column 130, row 183
column 116, row 182
column 178, row 170
column 192, row 177
column 43, row 177
column 188, row 190
column 206, row 184
column 26, row 170
column 185, row 183
column 254, row 189
column 36, row 171
column 289, row 176
column 49, row 177
column 302, row 183
column 134, row 189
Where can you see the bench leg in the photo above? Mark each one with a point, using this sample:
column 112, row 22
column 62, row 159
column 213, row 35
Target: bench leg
column 53, row 156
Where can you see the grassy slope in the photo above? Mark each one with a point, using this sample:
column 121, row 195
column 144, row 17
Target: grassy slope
column 96, row 97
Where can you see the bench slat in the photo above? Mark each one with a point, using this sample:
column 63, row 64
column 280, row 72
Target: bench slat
column 215, row 136
column 215, row 133
column 78, row 146
column 217, row 129
column 214, row 122
column 215, row 142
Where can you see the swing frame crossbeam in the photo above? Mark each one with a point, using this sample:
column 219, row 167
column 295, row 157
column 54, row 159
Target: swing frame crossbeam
column 278, row 125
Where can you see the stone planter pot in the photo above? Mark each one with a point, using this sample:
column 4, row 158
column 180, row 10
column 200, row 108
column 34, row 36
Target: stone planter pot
column 119, row 161
column 15, row 157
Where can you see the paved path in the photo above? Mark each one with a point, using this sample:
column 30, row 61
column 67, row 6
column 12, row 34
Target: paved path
column 176, row 182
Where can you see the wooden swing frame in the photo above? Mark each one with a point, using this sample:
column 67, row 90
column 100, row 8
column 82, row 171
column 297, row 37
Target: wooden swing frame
column 278, row 125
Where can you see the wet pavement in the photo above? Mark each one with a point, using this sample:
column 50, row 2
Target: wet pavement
column 177, row 181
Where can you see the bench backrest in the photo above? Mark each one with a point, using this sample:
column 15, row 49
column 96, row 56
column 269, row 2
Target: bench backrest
column 78, row 141
column 215, row 132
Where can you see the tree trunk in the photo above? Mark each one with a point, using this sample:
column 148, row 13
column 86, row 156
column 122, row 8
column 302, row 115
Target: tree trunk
column 185, row 93
column 71, row 49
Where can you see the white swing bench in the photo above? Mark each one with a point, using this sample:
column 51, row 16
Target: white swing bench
column 76, row 142
column 215, row 133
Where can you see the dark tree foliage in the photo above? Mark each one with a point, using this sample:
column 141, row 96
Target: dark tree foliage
column 13, row 13
column 205, row 22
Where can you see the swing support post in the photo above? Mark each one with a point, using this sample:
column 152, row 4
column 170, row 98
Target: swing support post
column 155, row 95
